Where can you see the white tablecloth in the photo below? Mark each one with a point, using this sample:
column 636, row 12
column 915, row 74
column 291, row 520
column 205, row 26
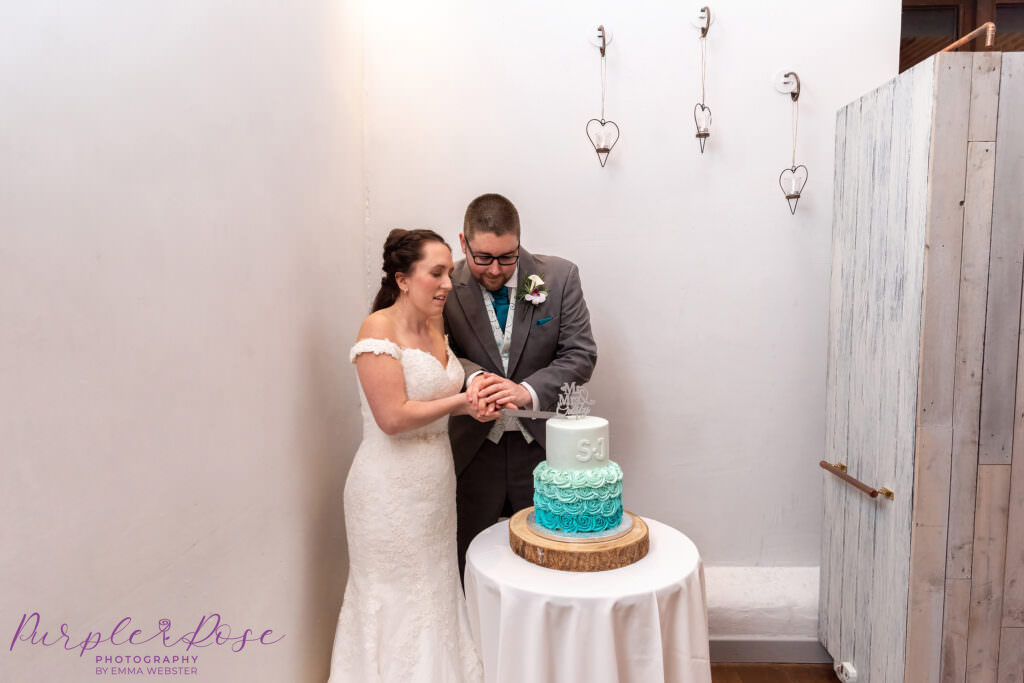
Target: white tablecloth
column 642, row 623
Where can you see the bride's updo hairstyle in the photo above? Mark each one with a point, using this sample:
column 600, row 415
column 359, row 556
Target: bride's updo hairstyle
column 402, row 249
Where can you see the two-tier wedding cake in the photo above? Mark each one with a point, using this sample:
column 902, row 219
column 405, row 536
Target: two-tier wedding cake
column 577, row 522
column 577, row 489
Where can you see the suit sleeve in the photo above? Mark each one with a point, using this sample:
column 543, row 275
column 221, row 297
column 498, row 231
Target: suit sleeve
column 576, row 352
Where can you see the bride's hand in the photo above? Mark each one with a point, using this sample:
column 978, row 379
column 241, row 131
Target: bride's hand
column 467, row 406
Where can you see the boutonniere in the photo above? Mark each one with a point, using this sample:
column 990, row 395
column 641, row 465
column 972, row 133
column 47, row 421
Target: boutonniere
column 533, row 290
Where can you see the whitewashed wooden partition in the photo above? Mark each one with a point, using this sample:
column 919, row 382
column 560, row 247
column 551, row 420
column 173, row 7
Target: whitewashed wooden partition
column 925, row 384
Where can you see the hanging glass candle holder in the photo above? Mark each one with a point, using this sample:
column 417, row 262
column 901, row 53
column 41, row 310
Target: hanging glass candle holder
column 702, row 112
column 702, row 117
column 603, row 134
column 793, row 179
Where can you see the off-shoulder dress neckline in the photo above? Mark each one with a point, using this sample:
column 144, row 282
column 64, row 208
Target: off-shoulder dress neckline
column 447, row 350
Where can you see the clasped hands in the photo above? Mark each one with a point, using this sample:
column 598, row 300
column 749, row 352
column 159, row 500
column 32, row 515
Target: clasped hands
column 488, row 394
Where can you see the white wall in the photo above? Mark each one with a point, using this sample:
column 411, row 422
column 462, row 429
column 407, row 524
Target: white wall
column 190, row 226
column 708, row 299
column 180, row 184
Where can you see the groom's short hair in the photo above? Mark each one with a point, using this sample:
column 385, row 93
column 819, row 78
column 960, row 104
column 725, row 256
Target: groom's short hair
column 491, row 213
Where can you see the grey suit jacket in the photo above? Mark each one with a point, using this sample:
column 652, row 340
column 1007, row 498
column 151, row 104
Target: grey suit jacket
column 551, row 342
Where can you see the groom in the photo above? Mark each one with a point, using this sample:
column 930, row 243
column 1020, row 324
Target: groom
column 518, row 347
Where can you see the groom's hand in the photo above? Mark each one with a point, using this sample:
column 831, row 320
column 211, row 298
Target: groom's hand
column 503, row 393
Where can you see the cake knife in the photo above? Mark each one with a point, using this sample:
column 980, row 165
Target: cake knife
column 530, row 414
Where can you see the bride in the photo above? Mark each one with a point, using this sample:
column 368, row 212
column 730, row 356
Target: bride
column 404, row 616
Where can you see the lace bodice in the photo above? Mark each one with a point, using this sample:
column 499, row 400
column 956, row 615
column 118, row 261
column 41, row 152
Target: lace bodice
column 425, row 379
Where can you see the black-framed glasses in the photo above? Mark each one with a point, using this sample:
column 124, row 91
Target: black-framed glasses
column 487, row 259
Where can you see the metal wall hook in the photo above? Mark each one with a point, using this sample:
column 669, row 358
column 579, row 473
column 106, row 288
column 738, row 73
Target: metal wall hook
column 601, row 37
column 705, row 13
column 795, row 93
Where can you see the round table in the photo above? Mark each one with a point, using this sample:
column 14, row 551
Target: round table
column 641, row 623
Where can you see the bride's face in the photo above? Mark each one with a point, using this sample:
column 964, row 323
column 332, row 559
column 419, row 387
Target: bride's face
column 428, row 282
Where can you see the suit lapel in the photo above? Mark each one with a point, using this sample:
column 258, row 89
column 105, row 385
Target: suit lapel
column 523, row 320
column 470, row 298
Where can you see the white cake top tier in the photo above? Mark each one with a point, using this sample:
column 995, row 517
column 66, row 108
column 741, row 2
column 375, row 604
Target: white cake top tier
column 577, row 443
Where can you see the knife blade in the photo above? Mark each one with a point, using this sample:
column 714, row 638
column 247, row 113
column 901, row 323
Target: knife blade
column 530, row 414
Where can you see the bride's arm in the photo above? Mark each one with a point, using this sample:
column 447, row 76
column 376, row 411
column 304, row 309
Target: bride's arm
column 384, row 385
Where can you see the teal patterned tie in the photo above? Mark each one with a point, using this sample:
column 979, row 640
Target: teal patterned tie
column 500, row 297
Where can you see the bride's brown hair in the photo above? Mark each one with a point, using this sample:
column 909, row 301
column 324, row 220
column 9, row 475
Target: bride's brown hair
column 402, row 249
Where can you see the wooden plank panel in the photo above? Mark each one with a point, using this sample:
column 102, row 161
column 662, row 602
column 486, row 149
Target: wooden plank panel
column 987, row 573
column 1011, row 661
column 1013, row 586
column 938, row 360
column 876, row 368
column 914, row 98
column 840, row 352
column 836, row 379
column 970, row 345
column 945, row 234
column 923, row 102
column 954, row 631
column 971, row 316
column 1004, row 288
column 874, row 347
column 859, row 427
column 896, row 289
column 851, row 613
column 927, row 582
column 984, row 96
column 1008, row 207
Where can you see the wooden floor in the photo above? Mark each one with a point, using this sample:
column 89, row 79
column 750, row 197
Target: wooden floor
column 772, row 673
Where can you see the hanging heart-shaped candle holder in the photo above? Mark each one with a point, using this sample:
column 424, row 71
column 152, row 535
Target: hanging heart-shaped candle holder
column 701, row 112
column 792, row 181
column 702, row 119
column 603, row 136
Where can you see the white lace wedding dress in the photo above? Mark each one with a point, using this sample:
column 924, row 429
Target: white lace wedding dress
column 404, row 614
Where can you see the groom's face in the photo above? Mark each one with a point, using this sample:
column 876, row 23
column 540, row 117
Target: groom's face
column 484, row 245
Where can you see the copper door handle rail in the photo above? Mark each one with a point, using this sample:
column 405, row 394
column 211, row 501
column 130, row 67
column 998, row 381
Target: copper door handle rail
column 839, row 469
column 988, row 28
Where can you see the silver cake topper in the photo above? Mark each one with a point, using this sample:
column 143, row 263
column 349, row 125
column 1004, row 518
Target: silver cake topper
column 573, row 402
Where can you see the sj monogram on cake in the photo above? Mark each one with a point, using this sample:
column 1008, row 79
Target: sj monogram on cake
column 585, row 452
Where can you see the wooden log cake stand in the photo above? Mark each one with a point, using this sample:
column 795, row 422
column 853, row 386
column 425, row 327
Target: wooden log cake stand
column 594, row 556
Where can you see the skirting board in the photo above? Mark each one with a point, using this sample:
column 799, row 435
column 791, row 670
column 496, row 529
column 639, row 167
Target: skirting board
column 764, row 614
column 768, row 650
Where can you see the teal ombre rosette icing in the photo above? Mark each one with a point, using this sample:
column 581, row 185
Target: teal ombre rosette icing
column 599, row 476
column 610, row 508
column 578, row 501
column 555, row 507
column 584, row 507
column 573, row 495
column 576, row 523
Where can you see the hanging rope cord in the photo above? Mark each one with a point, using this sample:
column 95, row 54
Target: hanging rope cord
column 796, row 121
column 702, row 53
column 604, row 82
